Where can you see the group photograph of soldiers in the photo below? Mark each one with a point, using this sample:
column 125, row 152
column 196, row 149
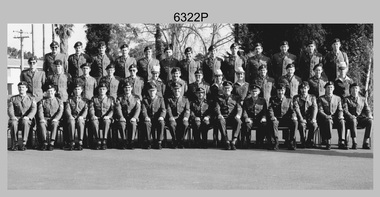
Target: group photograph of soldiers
column 100, row 102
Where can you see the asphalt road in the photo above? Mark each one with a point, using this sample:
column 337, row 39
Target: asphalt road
column 192, row 169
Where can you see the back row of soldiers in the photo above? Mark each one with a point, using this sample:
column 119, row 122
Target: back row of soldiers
column 188, row 95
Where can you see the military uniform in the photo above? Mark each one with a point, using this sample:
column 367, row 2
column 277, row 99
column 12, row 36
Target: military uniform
column 191, row 92
column 99, row 65
column 167, row 65
column 253, row 64
column 292, row 83
column 63, row 85
column 76, row 107
column 266, row 85
column 306, row 63
column 342, row 86
column 113, row 84
column 209, row 66
column 49, row 61
column 160, row 86
column 144, row 66
column 317, row 86
column 122, row 64
column 169, row 92
column 18, row 108
column 89, row 86
column 188, row 68
column 331, row 63
column 36, row 82
column 229, row 65
column 240, row 90
column 75, row 62
column 178, row 108
column 137, row 85
column 279, row 63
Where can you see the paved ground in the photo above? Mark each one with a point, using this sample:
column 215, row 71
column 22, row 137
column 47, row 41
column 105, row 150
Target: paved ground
column 192, row 169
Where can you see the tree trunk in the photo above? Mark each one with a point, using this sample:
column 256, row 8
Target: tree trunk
column 236, row 25
column 159, row 43
column 368, row 78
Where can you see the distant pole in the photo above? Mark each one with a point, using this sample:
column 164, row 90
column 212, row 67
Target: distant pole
column 32, row 40
column 21, row 37
column 43, row 40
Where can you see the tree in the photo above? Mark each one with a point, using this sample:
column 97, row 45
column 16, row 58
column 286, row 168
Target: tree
column 64, row 32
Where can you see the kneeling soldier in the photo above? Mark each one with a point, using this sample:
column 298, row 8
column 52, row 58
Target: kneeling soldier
column 49, row 112
column 21, row 111
column 254, row 113
column 101, row 111
column 200, row 118
column 306, row 109
column 153, row 113
column 281, row 113
column 228, row 111
column 76, row 113
column 178, row 114
column 357, row 113
column 128, row 110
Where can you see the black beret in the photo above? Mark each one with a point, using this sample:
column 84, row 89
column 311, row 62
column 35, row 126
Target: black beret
column 151, row 85
column 124, row 46
column 200, row 89
column 310, row 42
column 198, row 71
column 54, row 43
column 50, row 86
column 329, row 83
column 86, row 64
column 132, row 66
column 211, row 48
column 280, row 86
column 320, row 64
column 127, row 83
column 289, row 66
column 304, row 84
column 335, row 40
column 22, row 83
column 258, row 44
column 227, row 83
column 110, row 66
column 147, row 48
column 175, row 69
column 254, row 86
column 177, row 85
column 169, row 47
column 78, row 83
column 78, row 44
column 188, row 49
column 32, row 58
column 58, row 62
column 284, row 43
column 263, row 66
column 103, row 84
column 101, row 43
column 354, row 85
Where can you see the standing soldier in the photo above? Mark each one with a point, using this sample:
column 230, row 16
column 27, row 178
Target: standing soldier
column 200, row 117
column 123, row 62
column 61, row 80
column 100, row 62
column 357, row 113
column 317, row 82
column 307, row 61
column 188, row 66
column 292, row 81
column 199, row 82
column 145, row 64
column 265, row 83
column 21, row 111
column 254, row 113
column 306, row 109
column 111, row 80
column 228, row 111
column 128, row 110
column 168, row 64
column 254, row 63
column 330, row 112
column 136, row 82
column 76, row 60
column 281, row 113
column 281, row 60
column 342, row 82
column 51, row 57
column 34, row 78
column 178, row 115
column 153, row 112
column 76, row 114
column 89, row 83
column 160, row 85
column 240, row 87
column 49, row 113
column 211, row 64
column 101, row 112
column 170, row 87
column 333, row 60
column 231, row 63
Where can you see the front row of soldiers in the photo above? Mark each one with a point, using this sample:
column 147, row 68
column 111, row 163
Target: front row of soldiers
column 151, row 112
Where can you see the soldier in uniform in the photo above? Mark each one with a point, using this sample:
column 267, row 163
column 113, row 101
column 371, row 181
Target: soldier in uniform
column 76, row 113
column 333, row 59
column 123, row 62
column 100, row 62
column 200, row 118
column 292, row 81
column 216, row 92
column 342, row 82
column 240, row 87
column 265, row 83
column 62, row 81
column 153, row 113
column 307, row 61
column 128, row 110
column 306, row 109
column 330, row 112
column 254, row 113
column 228, row 111
column 76, row 60
column 49, row 113
column 281, row 113
column 211, row 64
column 281, row 60
column 357, row 113
column 254, row 63
column 199, row 82
column 160, row 85
column 188, row 66
column 136, row 82
column 36, row 79
column 231, row 63
column 100, row 114
column 111, row 80
column 170, row 86
column 317, row 82
column 49, row 59
column 21, row 111
column 145, row 64
column 168, row 64
column 178, row 114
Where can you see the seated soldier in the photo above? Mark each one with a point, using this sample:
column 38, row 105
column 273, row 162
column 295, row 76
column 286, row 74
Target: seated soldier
column 76, row 113
column 228, row 111
column 100, row 114
column 200, row 118
column 357, row 113
column 128, row 107
column 281, row 113
column 330, row 112
column 21, row 111
column 49, row 113
column 153, row 113
column 216, row 91
column 178, row 114
column 254, row 113
column 240, row 87
column 306, row 109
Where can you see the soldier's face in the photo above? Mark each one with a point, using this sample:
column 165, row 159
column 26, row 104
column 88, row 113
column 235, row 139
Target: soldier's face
column 125, row 51
column 329, row 89
column 133, row 72
column 219, row 78
column 33, row 64
column 284, row 48
column 291, row 71
column 59, row 69
column 198, row 77
column 78, row 91
column 189, row 55
column 318, row 71
column 255, row 92
column 102, row 91
column 78, row 49
column 22, row 89
column 177, row 92
column 336, row 46
column 200, row 95
column 234, row 50
column 102, row 50
column 213, row 53
column 54, row 49
column 258, row 50
column 152, row 92
column 148, row 53
column 310, row 48
column 168, row 53
column 240, row 76
column 342, row 73
column 128, row 89
column 304, row 90
column 155, row 75
column 50, row 93
column 228, row 90
column 281, row 92
column 176, row 75
column 263, row 72
column 86, row 70
column 354, row 91
column 111, row 71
